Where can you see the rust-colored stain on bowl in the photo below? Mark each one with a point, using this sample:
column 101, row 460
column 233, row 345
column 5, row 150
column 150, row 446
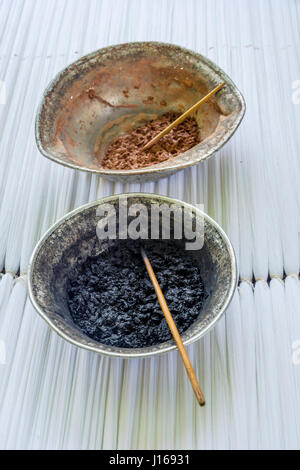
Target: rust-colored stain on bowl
column 107, row 93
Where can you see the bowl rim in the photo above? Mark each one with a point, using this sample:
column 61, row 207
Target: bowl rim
column 130, row 353
column 146, row 170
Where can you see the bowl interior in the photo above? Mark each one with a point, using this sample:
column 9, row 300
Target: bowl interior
column 74, row 238
column 111, row 91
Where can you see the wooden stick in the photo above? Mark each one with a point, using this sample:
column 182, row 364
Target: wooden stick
column 182, row 117
column 174, row 331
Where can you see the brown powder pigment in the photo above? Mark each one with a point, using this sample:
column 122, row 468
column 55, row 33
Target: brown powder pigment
column 125, row 153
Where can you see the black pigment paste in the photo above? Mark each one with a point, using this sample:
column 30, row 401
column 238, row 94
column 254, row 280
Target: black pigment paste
column 112, row 300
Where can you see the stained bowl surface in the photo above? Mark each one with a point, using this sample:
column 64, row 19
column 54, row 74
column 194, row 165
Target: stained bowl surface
column 108, row 92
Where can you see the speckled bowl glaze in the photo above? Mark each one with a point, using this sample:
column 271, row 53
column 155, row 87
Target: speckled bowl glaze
column 73, row 238
column 132, row 83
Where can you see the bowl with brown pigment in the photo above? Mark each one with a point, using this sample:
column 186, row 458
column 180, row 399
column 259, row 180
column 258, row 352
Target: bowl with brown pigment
column 107, row 93
column 73, row 239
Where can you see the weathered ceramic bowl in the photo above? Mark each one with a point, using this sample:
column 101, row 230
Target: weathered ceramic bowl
column 108, row 92
column 73, row 238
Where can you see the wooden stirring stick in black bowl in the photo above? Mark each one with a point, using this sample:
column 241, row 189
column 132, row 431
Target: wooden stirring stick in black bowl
column 174, row 330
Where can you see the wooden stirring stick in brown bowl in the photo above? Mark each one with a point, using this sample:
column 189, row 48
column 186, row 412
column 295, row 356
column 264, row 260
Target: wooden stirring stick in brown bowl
column 174, row 330
column 183, row 117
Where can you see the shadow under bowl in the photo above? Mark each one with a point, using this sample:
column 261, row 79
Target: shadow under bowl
column 73, row 238
column 133, row 83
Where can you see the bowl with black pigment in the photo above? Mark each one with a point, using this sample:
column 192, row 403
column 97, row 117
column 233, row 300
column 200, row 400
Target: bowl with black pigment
column 88, row 281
